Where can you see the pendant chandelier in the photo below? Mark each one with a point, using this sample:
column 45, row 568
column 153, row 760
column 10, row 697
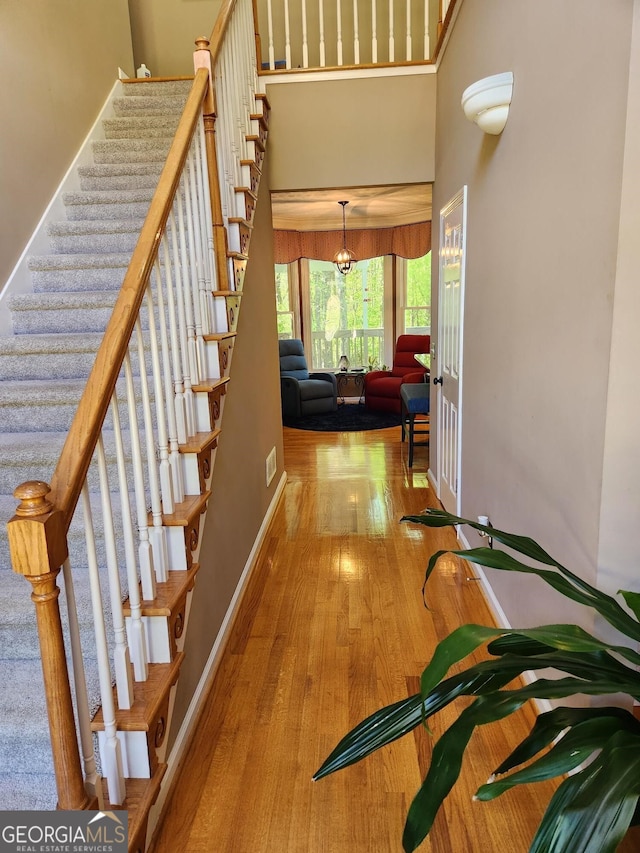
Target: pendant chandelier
column 344, row 259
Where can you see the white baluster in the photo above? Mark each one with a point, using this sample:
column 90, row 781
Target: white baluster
column 164, row 469
column 195, row 247
column 157, row 532
column 204, row 182
column 135, row 634
column 356, row 35
column 111, row 754
column 194, row 324
column 92, row 779
column 374, row 32
column 173, row 391
column 121, row 657
column 287, row 35
column 272, row 56
column 187, row 336
column 145, row 552
column 339, row 31
column 206, row 232
column 305, row 40
column 392, row 47
column 408, row 47
column 321, row 26
column 427, row 44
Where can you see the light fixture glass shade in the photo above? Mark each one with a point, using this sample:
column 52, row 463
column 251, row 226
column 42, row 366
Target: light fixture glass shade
column 344, row 258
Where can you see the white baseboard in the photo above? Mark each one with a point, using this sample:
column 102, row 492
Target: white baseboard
column 500, row 618
column 183, row 738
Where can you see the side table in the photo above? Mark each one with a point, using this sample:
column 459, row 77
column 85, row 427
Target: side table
column 346, row 377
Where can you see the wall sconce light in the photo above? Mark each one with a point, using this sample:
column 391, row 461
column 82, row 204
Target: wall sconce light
column 344, row 259
column 487, row 102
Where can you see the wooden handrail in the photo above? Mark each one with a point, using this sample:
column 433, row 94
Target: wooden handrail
column 72, row 467
column 217, row 33
column 364, row 66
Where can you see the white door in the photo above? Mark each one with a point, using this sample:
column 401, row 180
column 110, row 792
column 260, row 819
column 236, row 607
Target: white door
column 448, row 379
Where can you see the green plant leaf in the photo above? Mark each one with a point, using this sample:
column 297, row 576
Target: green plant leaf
column 596, row 673
column 550, row 725
column 592, row 809
column 569, row 638
column 456, row 646
column 393, row 721
column 564, row 638
column 577, row 588
column 575, row 747
column 632, row 599
column 447, row 754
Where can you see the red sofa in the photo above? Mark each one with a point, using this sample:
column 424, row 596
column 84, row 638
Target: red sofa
column 382, row 387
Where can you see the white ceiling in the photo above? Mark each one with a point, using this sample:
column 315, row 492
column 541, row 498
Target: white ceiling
column 369, row 207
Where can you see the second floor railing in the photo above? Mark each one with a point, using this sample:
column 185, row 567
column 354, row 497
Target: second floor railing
column 311, row 34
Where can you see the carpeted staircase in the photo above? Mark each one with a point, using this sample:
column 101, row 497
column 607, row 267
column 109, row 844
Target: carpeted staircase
column 43, row 369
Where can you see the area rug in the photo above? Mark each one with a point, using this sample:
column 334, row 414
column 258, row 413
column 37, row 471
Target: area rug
column 348, row 418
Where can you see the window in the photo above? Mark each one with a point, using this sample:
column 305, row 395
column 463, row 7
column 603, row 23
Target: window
column 286, row 301
column 414, row 277
column 345, row 314
column 353, row 314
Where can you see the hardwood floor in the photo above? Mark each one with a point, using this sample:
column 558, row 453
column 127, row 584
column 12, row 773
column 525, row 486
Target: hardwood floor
column 332, row 626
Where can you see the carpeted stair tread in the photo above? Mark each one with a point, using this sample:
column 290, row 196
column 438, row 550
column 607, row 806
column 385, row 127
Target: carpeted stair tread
column 148, row 106
column 109, row 196
column 132, row 150
column 113, row 176
column 60, row 262
column 158, row 88
column 111, row 205
column 139, row 126
column 27, row 791
column 115, row 236
column 38, row 405
column 68, row 356
column 49, row 345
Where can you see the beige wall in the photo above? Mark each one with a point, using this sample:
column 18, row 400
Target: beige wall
column 58, row 63
column 164, row 32
column 361, row 132
column 620, row 510
column 251, row 426
column 543, row 217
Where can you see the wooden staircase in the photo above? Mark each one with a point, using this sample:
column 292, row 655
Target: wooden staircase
column 142, row 729
column 145, row 726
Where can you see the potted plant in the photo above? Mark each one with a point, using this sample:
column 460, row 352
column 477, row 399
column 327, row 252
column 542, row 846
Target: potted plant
column 599, row 747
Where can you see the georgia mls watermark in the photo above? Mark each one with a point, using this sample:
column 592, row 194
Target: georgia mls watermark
column 64, row 832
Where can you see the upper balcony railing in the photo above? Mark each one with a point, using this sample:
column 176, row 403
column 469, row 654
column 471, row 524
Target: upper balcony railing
column 298, row 34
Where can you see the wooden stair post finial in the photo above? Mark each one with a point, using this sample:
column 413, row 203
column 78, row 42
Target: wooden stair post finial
column 38, row 548
column 202, row 59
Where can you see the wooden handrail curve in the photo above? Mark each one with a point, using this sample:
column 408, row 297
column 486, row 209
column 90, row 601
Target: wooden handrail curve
column 72, row 467
column 219, row 29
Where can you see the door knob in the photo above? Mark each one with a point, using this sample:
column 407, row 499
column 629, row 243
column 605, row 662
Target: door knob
column 437, row 380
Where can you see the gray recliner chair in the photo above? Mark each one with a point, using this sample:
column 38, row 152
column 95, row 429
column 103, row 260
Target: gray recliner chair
column 304, row 393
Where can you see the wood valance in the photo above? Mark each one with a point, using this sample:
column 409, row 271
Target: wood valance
column 406, row 241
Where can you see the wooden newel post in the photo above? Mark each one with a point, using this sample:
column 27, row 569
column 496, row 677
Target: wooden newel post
column 38, row 548
column 202, row 59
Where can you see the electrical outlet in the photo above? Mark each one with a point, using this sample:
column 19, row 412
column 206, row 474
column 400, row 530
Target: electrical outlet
column 271, row 465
